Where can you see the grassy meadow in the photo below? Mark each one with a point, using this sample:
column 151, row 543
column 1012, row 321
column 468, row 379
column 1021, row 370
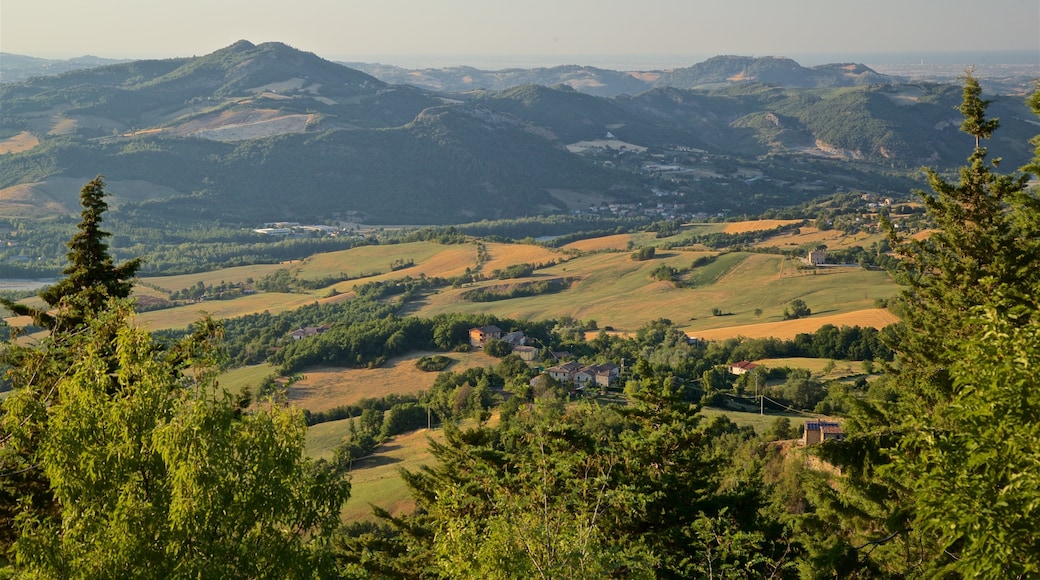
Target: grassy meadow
column 608, row 287
column 324, row 388
column 375, row 480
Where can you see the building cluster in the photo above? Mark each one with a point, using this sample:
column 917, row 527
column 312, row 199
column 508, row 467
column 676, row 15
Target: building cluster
column 568, row 373
column 308, row 331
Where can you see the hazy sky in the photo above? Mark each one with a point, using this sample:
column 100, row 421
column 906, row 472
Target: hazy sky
column 542, row 31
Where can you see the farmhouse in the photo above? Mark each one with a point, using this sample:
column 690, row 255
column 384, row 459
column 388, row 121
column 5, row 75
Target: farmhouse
column 820, row 431
column 564, row 372
column 515, row 338
column 603, row 375
column 526, row 353
column 301, row 333
column 478, row 337
column 816, row 257
column 742, row 367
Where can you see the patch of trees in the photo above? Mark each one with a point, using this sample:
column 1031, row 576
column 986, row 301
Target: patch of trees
column 515, row 271
column 563, row 229
column 643, row 254
column 102, row 467
column 518, row 290
column 434, row 363
column 797, row 309
column 370, row 342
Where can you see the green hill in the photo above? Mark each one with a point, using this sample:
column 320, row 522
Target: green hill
column 266, row 132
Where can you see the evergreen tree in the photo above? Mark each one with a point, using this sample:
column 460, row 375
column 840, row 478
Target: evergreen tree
column 91, row 277
column 945, row 435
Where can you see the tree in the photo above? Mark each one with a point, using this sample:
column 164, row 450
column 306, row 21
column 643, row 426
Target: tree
column 91, row 277
column 90, row 280
column 580, row 492
column 940, row 477
column 160, row 474
column 798, row 309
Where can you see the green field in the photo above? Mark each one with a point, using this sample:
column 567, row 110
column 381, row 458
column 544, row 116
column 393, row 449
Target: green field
column 616, row 291
column 609, row 286
column 761, row 423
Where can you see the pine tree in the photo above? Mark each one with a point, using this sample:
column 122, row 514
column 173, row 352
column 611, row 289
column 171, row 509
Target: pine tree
column 91, row 278
column 945, row 435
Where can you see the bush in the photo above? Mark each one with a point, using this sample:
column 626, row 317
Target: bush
column 435, row 363
column 798, row 309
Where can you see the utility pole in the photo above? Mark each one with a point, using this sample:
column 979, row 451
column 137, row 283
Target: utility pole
column 761, row 401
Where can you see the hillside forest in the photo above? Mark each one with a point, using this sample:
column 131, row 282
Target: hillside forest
column 122, row 454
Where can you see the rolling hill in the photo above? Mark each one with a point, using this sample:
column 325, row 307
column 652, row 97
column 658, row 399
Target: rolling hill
column 256, row 133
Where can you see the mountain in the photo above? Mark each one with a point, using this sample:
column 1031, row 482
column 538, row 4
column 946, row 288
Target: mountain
column 266, row 132
column 779, row 71
column 16, row 68
column 258, row 133
column 714, row 72
column 586, row 79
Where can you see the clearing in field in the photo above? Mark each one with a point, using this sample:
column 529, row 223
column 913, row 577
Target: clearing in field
column 788, row 329
column 23, row 141
column 756, row 225
column 326, row 388
column 375, row 480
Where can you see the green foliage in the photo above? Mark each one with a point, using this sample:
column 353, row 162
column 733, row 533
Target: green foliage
column 936, row 480
column 498, row 348
column 143, row 495
column 975, row 479
column 797, row 309
column 581, row 492
column 435, row 363
column 518, row 290
column 91, row 278
column 643, row 254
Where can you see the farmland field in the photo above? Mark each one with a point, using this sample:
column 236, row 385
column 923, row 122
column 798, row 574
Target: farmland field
column 324, row 388
column 608, row 286
column 236, row 275
column 375, row 480
column 616, row 291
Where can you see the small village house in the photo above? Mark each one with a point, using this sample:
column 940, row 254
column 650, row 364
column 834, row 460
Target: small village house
column 742, row 367
column 820, row 431
column 307, row 331
column 478, row 337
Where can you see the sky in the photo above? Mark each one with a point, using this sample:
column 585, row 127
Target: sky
column 520, row 32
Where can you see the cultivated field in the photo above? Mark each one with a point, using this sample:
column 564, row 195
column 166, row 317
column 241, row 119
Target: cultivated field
column 23, row 141
column 616, row 291
column 810, row 236
column 325, row 388
column 236, row 275
column 756, row 225
column 608, row 286
column 788, row 329
column 615, row 242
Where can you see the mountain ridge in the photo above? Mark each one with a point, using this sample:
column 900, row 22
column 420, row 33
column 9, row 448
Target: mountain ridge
column 314, row 139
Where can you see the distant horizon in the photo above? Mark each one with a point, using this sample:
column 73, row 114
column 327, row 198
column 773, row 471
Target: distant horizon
column 646, row 62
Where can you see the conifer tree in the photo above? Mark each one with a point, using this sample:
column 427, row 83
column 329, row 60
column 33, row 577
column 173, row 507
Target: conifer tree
column 945, row 435
column 91, row 277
